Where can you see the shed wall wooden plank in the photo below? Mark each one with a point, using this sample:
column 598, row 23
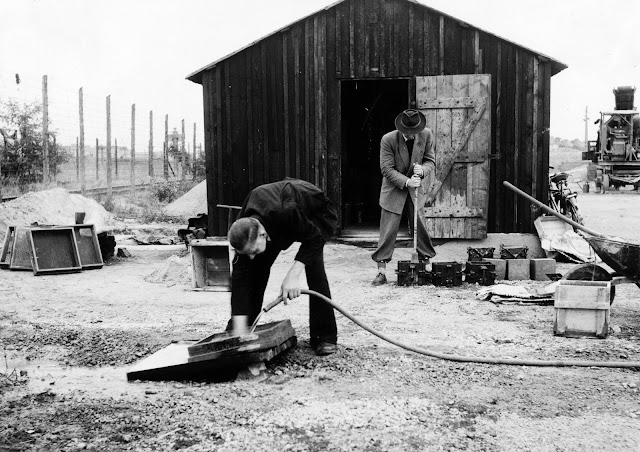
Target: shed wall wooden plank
column 250, row 129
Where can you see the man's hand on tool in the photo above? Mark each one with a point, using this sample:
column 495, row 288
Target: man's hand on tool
column 414, row 182
column 290, row 288
column 418, row 170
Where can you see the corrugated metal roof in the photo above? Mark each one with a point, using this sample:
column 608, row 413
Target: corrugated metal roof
column 196, row 76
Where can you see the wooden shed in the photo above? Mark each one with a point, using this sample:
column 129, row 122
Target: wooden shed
column 313, row 99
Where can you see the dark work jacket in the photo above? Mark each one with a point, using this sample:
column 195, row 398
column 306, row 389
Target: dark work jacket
column 293, row 210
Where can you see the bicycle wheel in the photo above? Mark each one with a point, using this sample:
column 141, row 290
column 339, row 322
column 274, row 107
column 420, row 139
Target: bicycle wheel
column 572, row 212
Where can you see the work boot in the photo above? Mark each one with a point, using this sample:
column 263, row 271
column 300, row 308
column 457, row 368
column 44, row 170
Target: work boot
column 380, row 279
column 325, row 348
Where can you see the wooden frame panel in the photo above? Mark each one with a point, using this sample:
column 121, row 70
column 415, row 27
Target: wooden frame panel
column 54, row 250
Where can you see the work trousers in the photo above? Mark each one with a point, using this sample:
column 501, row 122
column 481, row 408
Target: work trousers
column 249, row 281
column 389, row 226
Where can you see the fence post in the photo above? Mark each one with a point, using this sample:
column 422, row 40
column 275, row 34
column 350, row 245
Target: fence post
column 45, row 132
column 81, row 111
column 183, row 157
column 97, row 160
column 109, row 181
column 195, row 170
column 151, row 172
column 166, row 148
column 132, row 173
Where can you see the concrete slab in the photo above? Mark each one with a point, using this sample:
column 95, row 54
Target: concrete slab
column 518, row 269
column 540, row 268
column 500, row 268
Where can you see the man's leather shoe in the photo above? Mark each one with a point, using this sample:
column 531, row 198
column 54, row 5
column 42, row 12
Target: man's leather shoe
column 325, row 348
column 379, row 280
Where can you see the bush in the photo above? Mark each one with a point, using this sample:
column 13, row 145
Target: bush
column 164, row 190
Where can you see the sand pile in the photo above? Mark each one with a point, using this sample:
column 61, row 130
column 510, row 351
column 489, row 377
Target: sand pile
column 175, row 270
column 55, row 207
column 191, row 203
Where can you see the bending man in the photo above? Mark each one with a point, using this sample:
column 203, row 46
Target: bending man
column 272, row 217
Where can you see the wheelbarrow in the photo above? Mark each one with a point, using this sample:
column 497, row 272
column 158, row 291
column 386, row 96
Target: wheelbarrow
column 623, row 257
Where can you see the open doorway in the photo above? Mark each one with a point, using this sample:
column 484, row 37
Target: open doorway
column 369, row 108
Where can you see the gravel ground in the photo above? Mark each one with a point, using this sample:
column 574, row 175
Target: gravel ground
column 68, row 341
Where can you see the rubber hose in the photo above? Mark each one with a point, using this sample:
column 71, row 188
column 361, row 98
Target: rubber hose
column 459, row 358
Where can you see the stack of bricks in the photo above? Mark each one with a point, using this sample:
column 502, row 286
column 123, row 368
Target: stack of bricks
column 514, row 265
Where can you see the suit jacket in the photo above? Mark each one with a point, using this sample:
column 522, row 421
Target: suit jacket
column 397, row 168
column 293, row 210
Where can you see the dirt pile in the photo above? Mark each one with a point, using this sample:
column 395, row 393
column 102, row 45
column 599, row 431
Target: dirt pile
column 55, row 207
column 191, row 203
column 174, row 270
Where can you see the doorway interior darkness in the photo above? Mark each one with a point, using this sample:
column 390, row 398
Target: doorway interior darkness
column 369, row 108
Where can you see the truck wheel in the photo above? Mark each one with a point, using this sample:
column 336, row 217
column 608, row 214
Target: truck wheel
column 606, row 183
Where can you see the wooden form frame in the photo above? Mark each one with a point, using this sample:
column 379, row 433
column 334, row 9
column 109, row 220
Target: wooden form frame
column 88, row 246
column 211, row 264
column 5, row 255
column 21, row 254
column 54, row 250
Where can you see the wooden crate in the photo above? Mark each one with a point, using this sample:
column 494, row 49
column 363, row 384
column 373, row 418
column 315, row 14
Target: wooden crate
column 211, row 264
column 582, row 308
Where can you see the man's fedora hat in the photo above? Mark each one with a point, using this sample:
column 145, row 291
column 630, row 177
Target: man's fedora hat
column 411, row 122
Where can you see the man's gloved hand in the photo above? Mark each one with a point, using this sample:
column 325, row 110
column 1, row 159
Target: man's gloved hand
column 414, row 182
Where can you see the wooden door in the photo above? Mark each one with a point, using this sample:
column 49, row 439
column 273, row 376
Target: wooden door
column 458, row 112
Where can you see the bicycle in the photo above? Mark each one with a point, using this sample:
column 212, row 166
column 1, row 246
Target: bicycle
column 561, row 198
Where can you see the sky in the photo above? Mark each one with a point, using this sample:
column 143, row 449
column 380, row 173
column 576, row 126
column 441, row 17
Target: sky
column 140, row 51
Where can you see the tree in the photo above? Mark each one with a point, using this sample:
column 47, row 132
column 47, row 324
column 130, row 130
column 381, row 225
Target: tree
column 21, row 155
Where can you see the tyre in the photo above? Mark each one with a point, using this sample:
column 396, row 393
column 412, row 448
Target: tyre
column 590, row 272
column 606, row 183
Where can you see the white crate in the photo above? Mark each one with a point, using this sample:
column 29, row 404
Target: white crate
column 582, row 308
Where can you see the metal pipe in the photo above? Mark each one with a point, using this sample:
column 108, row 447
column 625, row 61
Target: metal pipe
column 458, row 358
column 551, row 211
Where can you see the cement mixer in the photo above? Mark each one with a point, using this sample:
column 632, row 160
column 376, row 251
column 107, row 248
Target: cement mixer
column 616, row 153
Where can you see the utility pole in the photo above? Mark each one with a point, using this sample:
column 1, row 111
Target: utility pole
column 132, row 171
column 194, row 152
column 109, row 175
column 151, row 144
column 45, row 132
column 586, row 129
column 82, row 163
column 183, row 158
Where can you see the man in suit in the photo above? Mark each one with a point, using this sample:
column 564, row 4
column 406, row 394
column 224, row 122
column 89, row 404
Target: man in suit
column 407, row 162
column 272, row 217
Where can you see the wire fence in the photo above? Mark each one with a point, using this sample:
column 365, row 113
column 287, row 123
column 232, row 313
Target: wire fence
column 91, row 141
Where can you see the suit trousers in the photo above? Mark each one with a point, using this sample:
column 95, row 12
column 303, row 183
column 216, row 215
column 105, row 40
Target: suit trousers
column 249, row 280
column 389, row 226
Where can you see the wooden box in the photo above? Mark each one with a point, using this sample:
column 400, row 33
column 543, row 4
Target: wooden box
column 211, row 264
column 582, row 308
